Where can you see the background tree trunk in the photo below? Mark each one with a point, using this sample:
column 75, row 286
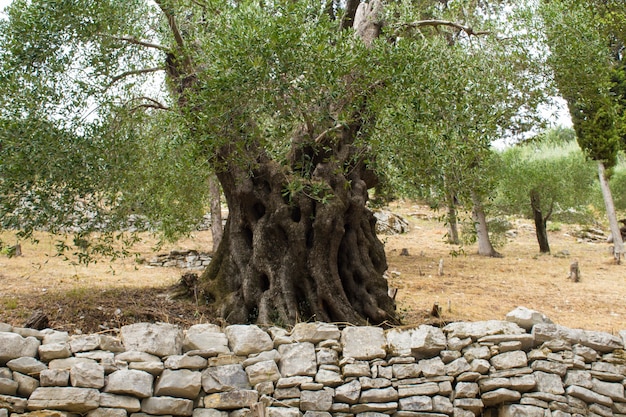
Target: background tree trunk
column 217, row 229
column 485, row 248
column 540, row 222
column 453, row 229
column 610, row 212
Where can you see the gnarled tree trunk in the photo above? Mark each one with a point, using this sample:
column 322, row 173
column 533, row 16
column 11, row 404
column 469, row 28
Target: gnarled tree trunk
column 295, row 257
column 618, row 243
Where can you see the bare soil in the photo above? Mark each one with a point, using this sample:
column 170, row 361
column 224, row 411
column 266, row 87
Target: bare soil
column 108, row 294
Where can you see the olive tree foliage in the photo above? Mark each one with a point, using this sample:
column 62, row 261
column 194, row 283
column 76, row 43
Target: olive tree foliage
column 586, row 47
column 82, row 143
column 545, row 179
column 481, row 88
column 288, row 103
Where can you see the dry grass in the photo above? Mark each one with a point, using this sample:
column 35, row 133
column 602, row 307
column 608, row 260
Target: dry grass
column 472, row 288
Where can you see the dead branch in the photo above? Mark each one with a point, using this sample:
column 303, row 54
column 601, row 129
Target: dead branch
column 436, row 23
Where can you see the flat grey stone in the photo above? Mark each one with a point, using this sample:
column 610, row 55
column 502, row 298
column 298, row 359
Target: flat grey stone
column 526, row 318
column 205, row 337
column 297, row 359
column 588, row 395
column 416, row 403
column 379, row 395
column 126, row 402
column 315, row 332
column 363, row 343
column 549, row 383
column 499, row 396
column 262, row 372
column 26, row 365
column 246, row 340
column 348, row 393
column 231, row 400
column 508, row 360
column 76, row 400
column 479, row 329
column 320, row 400
column 183, row 383
column 87, row 375
column 159, row 339
column 13, row 346
column 167, row 405
column 421, row 342
column 516, row 410
column 130, row 382
column 224, row 378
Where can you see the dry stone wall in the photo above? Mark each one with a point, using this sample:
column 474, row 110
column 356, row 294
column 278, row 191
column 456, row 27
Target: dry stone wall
column 523, row 366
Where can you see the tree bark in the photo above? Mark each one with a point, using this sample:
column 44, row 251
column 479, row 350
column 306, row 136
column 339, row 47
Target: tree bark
column 453, row 229
column 289, row 258
column 540, row 222
column 217, row 229
column 610, row 212
column 485, row 248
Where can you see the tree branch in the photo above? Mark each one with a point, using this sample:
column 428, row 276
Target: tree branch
column 135, row 41
column 151, row 104
column 135, row 72
column 436, row 23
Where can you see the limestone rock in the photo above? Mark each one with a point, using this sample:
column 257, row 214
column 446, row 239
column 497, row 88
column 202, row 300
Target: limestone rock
column 231, row 400
column 589, row 396
column 205, row 337
column 479, row 329
column 297, row 359
column 422, row 342
column 527, row 318
column 26, row 365
column 315, row 332
column 262, row 372
column 167, row 405
column 316, row 400
column 52, row 351
column 516, row 410
column 380, row 395
column 159, row 339
column 363, row 343
column 182, row 383
column 76, row 400
column 13, row 346
column 185, row 362
column 508, row 360
column 87, row 375
column 549, row 383
column 499, row 396
column 416, row 403
column 433, row 367
column 25, row 384
column 8, row 387
column 224, row 378
column 130, row 382
column 348, row 393
column 54, row 377
column 130, row 404
column 246, row 340
column 84, row 343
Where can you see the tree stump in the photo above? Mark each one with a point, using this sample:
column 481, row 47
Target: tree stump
column 37, row 321
column 574, row 272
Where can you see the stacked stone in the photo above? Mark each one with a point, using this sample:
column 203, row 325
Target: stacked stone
column 525, row 366
column 187, row 259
